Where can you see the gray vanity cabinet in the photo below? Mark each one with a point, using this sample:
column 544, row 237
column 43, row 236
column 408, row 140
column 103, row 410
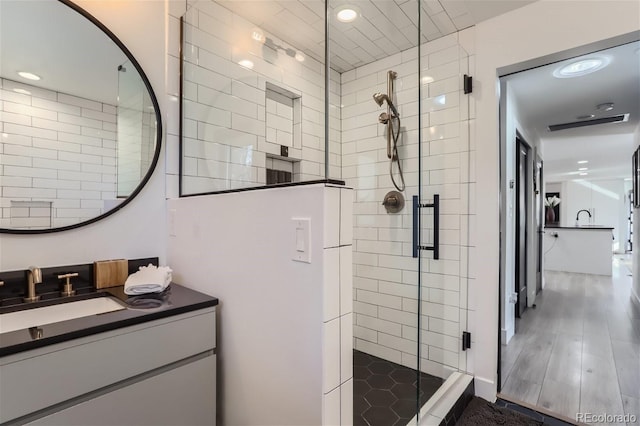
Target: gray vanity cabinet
column 181, row 396
column 161, row 372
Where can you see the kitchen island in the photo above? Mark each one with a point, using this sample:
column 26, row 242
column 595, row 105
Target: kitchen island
column 581, row 249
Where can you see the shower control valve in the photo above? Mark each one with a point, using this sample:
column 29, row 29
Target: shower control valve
column 393, row 202
column 383, row 118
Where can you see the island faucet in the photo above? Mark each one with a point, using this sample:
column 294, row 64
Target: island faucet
column 34, row 276
column 578, row 215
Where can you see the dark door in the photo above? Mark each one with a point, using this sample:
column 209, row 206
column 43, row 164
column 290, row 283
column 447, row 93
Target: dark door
column 539, row 221
column 521, row 227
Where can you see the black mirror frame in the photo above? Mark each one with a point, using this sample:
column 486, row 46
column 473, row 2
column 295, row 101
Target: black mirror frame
column 159, row 133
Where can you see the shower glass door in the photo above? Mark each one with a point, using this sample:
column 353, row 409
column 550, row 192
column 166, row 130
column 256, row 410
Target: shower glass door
column 401, row 63
column 446, row 179
column 373, row 45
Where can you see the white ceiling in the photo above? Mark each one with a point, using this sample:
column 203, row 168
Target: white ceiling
column 53, row 41
column 73, row 56
column 384, row 27
column 544, row 100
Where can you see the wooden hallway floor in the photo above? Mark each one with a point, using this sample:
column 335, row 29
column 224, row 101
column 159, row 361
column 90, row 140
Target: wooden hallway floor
column 578, row 351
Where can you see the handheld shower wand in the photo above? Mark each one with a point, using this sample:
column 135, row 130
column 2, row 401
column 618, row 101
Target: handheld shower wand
column 393, row 130
column 380, row 98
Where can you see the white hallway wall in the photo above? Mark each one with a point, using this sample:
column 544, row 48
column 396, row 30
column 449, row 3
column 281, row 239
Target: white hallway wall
column 536, row 30
column 139, row 229
column 513, row 124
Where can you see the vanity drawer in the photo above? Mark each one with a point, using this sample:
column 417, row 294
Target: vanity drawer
column 183, row 396
column 37, row 379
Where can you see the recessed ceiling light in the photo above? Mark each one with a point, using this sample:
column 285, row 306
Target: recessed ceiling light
column 582, row 67
column 585, row 117
column 347, row 14
column 22, row 91
column 28, row 75
column 583, row 174
column 583, row 168
column 583, row 161
column 606, row 106
column 299, row 57
column 246, row 64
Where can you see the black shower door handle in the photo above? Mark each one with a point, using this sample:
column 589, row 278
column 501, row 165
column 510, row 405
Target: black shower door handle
column 436, row 226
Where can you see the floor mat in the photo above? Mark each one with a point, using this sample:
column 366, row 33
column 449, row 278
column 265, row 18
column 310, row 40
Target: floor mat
column 482, row 413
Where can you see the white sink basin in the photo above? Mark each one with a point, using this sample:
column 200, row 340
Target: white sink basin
column 55, row 313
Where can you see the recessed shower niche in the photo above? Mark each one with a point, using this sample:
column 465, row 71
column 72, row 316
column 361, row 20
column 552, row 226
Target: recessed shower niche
column 283, row 134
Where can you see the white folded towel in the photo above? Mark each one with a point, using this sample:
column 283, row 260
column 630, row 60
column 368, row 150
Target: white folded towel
column 148, row 279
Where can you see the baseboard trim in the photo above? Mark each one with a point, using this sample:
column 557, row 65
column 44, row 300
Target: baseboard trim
column 485, row 388
column 635, row 298
column 506, row 335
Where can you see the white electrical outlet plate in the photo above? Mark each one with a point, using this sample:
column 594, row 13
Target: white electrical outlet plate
column 301, row 239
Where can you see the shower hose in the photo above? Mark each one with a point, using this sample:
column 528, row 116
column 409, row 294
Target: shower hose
column 395, row 134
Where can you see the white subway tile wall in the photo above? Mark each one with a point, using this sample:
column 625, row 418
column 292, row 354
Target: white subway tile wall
column 385, row 282
column 337, row 308
column 55, row 148
column 136, row 131
column 230, row 124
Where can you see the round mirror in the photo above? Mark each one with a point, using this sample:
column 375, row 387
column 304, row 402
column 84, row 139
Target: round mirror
column 80, row 127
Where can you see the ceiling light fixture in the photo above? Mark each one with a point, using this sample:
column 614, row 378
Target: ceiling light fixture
column 347, row 14
column 585, row 117
column 257, row 35
column 22, row 91
column 299, row 57
column 28, row 75
column 606, row 106
column 582, row 67
column 245, row 63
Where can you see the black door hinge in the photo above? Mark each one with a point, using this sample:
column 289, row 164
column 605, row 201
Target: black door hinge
column 466, row 340
column 468, row 84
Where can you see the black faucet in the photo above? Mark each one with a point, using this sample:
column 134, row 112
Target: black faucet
column 578, row 215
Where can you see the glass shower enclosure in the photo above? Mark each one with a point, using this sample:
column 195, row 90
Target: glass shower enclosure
column 371, row 93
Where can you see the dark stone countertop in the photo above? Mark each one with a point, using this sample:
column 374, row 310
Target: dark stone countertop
column 143, row 308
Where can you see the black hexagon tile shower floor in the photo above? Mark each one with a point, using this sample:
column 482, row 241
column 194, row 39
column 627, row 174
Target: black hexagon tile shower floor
column 385, row 393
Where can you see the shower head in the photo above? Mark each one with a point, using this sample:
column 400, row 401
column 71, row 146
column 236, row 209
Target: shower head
column 380, row 98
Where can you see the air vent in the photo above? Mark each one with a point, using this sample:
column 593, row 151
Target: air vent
column 612, row 119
